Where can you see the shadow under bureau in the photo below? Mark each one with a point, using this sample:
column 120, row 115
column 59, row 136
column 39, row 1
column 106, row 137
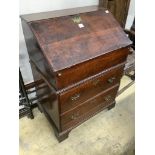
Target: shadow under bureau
column 80, row 54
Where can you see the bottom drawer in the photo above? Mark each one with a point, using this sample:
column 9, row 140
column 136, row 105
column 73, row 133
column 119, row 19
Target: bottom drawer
column 74, row 116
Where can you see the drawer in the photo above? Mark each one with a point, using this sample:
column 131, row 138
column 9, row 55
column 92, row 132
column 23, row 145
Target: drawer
column 103, row 99
column 89, row 68
column 77, row 95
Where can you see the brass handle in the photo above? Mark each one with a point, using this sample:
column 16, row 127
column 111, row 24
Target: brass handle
column 75, row 97
column 111, row 80
column 74, row 116
column 108, row 98
column 96, row 82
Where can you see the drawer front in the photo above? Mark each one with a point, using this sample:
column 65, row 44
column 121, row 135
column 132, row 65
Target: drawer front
column 79, row 72
column 77, row 95
column 102, row 100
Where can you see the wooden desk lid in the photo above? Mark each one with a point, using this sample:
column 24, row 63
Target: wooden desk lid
column 65, row 44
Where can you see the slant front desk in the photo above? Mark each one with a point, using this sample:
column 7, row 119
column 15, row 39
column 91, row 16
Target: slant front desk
column 80, row 53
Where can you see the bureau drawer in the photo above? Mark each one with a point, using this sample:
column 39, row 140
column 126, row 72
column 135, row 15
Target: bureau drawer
column 75, row 96
column 89, row 68
column 102, row 100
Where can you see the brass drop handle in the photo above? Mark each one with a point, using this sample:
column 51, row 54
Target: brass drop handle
column 74, row 116
column 108, row 98
column 111, row 80
column 75, row 97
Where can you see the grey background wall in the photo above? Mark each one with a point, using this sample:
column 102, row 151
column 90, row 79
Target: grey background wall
column 34, row 6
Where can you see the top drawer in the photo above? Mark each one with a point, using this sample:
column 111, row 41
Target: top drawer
column 79, row 72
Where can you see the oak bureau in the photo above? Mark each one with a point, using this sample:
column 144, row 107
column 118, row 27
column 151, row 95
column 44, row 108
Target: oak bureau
column 80, row 53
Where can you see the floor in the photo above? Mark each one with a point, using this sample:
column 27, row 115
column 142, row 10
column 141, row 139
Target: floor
column 107, row 133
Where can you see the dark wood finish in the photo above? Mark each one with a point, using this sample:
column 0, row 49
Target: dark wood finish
column 111, row 106
column 71, row 98
column 103, row 99
column 97, row 39
column 51, row 107
column 59, row 36
column 91, row 67
column 83, row 71
column 88, row 61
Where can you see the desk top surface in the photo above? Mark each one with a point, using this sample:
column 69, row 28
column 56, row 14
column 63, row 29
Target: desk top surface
column 69, row 40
